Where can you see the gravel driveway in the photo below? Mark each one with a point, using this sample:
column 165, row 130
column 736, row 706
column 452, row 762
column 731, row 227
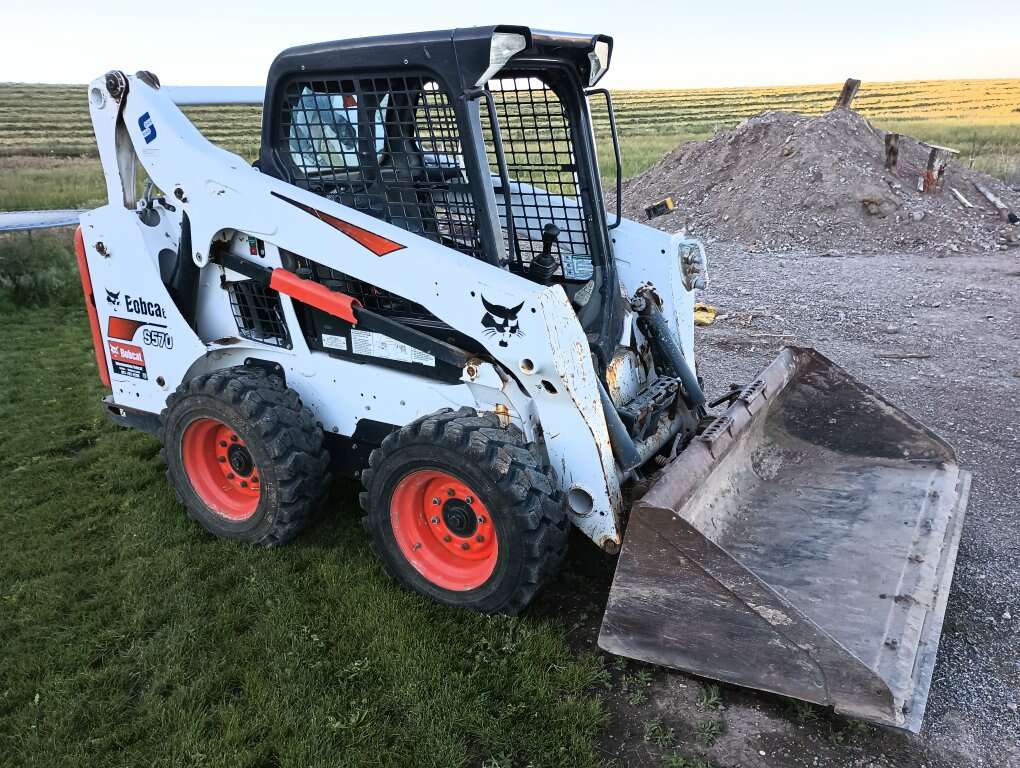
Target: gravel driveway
column 964, row 312
column 957, row 321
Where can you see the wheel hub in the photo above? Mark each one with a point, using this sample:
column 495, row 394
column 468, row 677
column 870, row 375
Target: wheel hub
column 459, row 517
column 240, row 459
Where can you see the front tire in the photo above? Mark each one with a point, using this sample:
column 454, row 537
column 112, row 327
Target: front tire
column 462, row 510
column 245, row 457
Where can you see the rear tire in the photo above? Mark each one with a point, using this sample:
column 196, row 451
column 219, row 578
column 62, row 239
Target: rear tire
column 245, row 457
column 462, row 510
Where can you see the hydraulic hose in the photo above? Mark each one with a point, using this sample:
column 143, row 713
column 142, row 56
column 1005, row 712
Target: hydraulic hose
column 655, row 327
column 622, row 443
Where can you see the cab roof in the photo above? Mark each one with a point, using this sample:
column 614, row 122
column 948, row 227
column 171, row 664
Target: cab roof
column 463, row 51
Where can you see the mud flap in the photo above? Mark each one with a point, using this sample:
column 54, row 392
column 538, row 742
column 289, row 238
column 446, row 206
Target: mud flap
column 804, row 544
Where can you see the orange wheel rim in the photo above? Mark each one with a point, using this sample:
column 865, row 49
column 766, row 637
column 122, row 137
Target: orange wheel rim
column 444, row 530
column 221, row 469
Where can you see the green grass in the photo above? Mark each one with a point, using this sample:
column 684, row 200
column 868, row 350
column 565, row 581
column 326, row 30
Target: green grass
column 659, row 734
column 37, row 270
column 29, row 183
column 638, row 153
column 132, row 638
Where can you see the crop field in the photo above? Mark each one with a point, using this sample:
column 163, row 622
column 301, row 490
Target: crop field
column 41, row 147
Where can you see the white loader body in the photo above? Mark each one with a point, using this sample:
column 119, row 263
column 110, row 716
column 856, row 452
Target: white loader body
column 546, row 380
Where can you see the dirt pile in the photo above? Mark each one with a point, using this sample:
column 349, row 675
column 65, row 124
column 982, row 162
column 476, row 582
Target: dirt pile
column 784, row 181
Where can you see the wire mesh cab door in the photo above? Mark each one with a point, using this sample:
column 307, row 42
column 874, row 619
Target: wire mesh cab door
column 408, row 144
column 548, row 147
column 545, row 184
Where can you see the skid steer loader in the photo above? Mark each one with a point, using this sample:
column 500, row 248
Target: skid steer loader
column 418, row 282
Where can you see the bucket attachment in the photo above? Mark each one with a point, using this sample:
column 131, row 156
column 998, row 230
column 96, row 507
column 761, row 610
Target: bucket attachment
column 803, row 544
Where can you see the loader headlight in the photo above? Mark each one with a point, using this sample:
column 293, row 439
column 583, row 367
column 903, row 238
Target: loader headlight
column 693, row 264
column 501, row 49
column 599, row 58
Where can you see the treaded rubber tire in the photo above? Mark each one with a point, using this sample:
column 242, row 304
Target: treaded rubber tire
column 281, row 435
column 508, row 474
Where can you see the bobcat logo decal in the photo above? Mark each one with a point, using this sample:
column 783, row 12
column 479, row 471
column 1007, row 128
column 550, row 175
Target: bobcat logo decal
column 113, row 298
column 147, row 128
column 501, row 321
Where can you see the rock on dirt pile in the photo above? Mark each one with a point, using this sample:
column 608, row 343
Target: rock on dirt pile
column 787, row 181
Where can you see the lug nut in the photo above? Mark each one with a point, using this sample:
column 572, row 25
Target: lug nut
column 230, row 475
column 244, row 483
column 435, row 500
column 465, row 545
column 449, row 492
column 223, row 443
column 233, row 438
column 481, row 518
column 435, row 521
column 447, row 538
column 479, row 538
column 469, row 500
column 254, row 479
column 222, row 459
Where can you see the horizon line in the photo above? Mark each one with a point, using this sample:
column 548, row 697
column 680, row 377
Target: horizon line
column 834, row 83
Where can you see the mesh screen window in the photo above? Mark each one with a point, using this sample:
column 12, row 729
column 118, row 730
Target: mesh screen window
column 258, row 313
column 387, row 146
column 538, row 144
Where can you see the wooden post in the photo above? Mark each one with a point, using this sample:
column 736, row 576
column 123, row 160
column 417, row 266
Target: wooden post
column 847, row 94
column 938, row 158
column 892, row 150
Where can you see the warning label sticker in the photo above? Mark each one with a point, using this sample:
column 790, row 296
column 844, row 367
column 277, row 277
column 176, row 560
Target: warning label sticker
column 377, row 345
column 330, row 341
column 127, row 359
column 576, row 266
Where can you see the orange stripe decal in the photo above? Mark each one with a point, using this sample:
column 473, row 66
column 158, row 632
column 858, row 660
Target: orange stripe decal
column 123, row 328
column 377, row 244
column 90, row 307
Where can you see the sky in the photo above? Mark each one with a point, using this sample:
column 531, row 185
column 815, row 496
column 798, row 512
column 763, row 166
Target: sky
column 657, row 44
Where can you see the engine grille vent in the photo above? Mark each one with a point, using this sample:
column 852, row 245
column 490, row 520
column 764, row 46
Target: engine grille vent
column 258, row 313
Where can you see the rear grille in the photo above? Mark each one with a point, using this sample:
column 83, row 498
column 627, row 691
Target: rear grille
column 258, row 313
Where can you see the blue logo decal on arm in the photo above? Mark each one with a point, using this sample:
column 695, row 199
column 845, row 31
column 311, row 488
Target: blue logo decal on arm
column 148, row 129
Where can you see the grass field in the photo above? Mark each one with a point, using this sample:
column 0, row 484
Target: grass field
column 131, row 638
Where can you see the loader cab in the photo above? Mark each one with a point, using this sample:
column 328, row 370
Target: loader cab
column 479, row 139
